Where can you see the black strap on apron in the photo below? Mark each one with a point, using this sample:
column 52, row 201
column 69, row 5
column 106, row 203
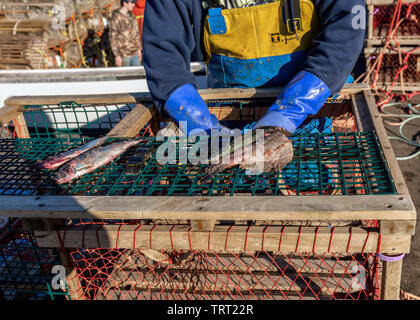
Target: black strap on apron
column 292, row 16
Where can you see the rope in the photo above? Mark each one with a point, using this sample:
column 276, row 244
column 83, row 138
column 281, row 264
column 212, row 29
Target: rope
column 408, row 118
column 79, row 43
column 403, row 56
column 16, row 26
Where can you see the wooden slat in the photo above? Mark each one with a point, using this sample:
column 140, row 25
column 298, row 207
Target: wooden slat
column 133, row 122
column 385, row 144
column 391, row 280
column 115, row 98
column 21, row 127
column 385, row 2
column 230, row 284
column 244, row 262
column 384, row 207
column 228, row 239
column 7, row 114
column 208, row 94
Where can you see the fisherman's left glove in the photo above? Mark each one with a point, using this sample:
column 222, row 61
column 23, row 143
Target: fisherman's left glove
column 304, row 95
column 188, row 109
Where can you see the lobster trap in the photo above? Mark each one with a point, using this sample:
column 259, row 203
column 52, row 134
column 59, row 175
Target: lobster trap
column 394, row 70
column 402, row 26
column 315, row 230
column 392, row 46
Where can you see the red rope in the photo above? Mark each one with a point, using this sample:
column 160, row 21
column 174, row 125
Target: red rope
column 227, row 237
column 331, row 236
column 61, row 240
column 208, row 245
column 97, row 236
column 83, row 237
column 316, row 234
column 348, row 244
column 150, row 234
column 298, row 240
column 263, row 238
column 189, row 238
column 134, row 238
column 246, row 238
column 170, row 236
column 366, row 240
column 118, row 236
column 392, row 34
column 281, row 238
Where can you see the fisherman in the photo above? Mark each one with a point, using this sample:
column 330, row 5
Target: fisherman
column 124, row 36
column 309, row 47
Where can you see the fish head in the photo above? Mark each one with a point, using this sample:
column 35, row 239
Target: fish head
column 65, row 174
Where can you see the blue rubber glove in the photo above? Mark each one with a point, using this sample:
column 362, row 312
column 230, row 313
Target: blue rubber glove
column 185, row 104
column 304, row 95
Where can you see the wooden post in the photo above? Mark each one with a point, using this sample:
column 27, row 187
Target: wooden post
column 72, row 281
column 391, row 279
column 391, row 271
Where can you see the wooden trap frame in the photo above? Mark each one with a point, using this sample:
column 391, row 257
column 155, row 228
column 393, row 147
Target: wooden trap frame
column 233, row 228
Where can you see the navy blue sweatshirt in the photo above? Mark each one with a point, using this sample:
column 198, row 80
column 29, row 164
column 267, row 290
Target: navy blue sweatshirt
column 172, row 38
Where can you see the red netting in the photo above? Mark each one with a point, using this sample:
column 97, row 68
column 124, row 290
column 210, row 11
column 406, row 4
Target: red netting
column 394, row 68
column 127, row 274
column 409, row 28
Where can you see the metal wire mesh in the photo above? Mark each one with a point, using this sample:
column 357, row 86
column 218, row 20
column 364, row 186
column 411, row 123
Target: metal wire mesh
column 126, row 274
column 71, row 120
column 330, row 158
column 25, row 269
column 347, row 163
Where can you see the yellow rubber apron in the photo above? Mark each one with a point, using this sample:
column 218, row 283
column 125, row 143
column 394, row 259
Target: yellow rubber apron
column 254, row 46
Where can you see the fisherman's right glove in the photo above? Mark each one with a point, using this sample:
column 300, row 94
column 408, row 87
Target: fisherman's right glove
column 189, row 110
column 304, row 95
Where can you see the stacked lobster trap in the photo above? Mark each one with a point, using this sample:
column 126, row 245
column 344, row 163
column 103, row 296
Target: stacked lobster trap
column 67, row 33
column 333, row 224
column 392, row 48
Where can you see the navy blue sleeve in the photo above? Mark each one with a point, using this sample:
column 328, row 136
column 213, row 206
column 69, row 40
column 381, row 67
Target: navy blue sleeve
column 171, row 37
column 337, row 47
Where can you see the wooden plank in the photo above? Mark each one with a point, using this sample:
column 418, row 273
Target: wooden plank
column 262, row 262
column 229, row 239
column 378, row 50
column 403, row 41
column 361, row 113
column 7, row 114
column 171, row 294
column 391, row 280
column 231, row 284
column 21, row 127
column 115, row 98
column 208, row 94
column 398, row 227
column 386, row 2
column 385, row 144
column 357, row 207
column 133, row 122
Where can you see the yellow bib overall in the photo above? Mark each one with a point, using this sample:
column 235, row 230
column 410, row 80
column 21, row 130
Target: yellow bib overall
column 254, row 46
